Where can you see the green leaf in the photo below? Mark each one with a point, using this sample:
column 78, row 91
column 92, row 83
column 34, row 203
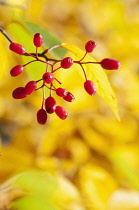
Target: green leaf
column 40, row 188
column 124, row 168
column 97, row 75
column 49, row 39
column 32, row 203
column 37, row 182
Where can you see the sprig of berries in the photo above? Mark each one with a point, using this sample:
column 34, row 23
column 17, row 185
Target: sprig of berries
column 49, row 104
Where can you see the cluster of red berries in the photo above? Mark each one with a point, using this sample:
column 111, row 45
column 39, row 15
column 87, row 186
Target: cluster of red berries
column 49, row 105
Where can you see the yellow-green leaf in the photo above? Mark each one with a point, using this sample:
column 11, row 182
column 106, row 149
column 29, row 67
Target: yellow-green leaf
column 98, row 76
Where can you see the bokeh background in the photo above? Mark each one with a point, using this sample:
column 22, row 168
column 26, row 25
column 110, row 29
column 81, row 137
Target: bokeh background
column 93, row 157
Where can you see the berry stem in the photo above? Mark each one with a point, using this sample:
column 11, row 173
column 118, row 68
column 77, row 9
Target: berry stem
column 44, row 62
column 38, row 58
column 58, row 81
column 49, row 87
column 37, row 52
column 83, row 71
column 54, row 87
column 39, row 80
column 39, row 87
column 32, row 55
column 87, row 62
column 43, row 99
column 56, row 69
column 4, row 33
column 82, row 57
column 29, row 63
column 47, row 67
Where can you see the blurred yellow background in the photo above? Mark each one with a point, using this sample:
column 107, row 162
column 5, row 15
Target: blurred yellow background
column 95, row 155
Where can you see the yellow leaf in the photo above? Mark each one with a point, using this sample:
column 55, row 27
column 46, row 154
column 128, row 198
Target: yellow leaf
column 96, row 186
column 98, row 76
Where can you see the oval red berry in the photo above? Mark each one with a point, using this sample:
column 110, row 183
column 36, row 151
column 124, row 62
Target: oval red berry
column 17, row 70
column 61, row 113
column 90, row 46
column 69, row 97
column 19, row 93
column 90, row 87
column 48, row 77
column 50, row 105
column 110, row 64
column 38, row 40
column 61, row 92
column 41, row 116
column 30, row 87
column 66, row 63
column 17, row 48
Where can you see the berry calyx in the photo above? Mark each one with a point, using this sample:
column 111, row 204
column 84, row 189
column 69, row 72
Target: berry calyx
column 69, row 97
column 48, row 77
column 30, row 87
column 38, row 40
column 90, row 87
column 17, row 70
column 90, row 46
column 50, row 105
column 110, row 64
column 61, row 113
column 17, row 48
column 66, row 63
column 19, row 93
column 41, row 116
column 61, row 92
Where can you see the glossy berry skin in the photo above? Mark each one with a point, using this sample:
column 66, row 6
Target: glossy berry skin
column 48, row 77
column 90, row 88
column 17, row 70
column 90, row 46
column 69, row 97
column 61, row 113
column 17, row 48
column 41, row 116
column 61, row 92
column 110, row 64
column 30, row 87
column 19, row 93
column 66, row 63
column 50, row 105
column 38, row 40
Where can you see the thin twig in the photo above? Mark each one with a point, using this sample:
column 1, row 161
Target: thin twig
column 35, row 55
column 4, row 33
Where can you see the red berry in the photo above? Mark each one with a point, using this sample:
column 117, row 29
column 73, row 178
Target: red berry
column 19, row 93
column 61, row 113
column 90, row 46
column 48, row 77
column 69, row 97
column 37, row 40
column 50, row 104
column 110, row 64
column 41, row 116
column 17, row 48
column 61, row 92
column 17, row 70
column 30, row 87
column 90, row 88
column 66, row 63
